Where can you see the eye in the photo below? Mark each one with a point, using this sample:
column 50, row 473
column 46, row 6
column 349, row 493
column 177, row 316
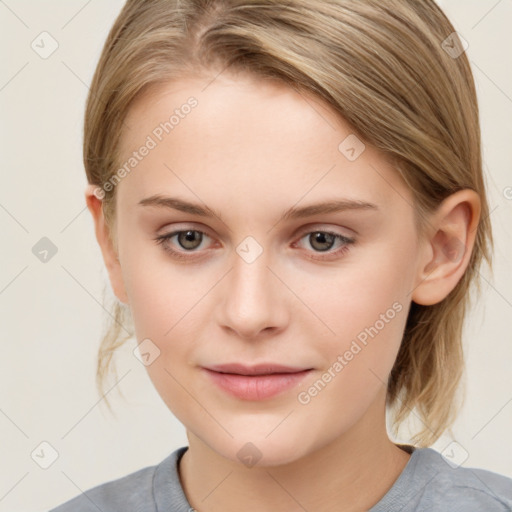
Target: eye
column 189, row 240
column 324, row 241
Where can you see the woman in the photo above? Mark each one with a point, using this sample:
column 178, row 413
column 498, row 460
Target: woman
column 289, row 201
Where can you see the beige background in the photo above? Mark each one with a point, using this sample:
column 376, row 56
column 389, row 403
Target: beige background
column 51, row 313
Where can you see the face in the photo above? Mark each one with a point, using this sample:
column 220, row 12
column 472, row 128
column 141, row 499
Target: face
column 323, row 292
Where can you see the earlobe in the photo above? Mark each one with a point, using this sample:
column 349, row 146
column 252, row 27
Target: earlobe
column 448, row 249
column 109, row 252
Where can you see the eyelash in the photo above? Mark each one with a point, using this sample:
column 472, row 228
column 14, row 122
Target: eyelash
column 181, row 255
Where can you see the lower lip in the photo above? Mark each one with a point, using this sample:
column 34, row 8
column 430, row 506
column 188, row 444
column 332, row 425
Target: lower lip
column 256, row 387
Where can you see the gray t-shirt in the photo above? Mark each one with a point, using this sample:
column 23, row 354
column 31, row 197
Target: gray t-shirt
column 427, row 483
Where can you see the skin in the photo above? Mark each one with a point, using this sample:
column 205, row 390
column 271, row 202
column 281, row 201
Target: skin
column 251, row 150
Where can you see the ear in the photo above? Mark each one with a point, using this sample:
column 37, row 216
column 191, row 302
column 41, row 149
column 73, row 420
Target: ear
column 446, row 249
column 108, row 250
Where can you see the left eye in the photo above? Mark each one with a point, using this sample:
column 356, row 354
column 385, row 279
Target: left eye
column 189, row 240
column 324, row 240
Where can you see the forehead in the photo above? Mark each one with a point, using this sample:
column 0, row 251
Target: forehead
column 244, row 135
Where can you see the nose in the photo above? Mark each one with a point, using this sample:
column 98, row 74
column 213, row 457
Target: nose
column 253, row 300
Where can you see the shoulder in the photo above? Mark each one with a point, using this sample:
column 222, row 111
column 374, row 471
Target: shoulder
column 435, row 483
column 474, row 489
column 131, row 492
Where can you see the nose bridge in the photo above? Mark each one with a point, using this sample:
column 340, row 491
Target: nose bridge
column 251, row 303
column 251, row 278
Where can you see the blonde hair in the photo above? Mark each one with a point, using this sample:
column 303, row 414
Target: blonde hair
column 394, row 69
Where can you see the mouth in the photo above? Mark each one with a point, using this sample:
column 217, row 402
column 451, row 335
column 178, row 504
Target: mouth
column 256, row 382
column 259, row 369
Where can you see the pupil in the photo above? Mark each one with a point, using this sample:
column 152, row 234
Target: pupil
column 321, row 237
column 189, row 237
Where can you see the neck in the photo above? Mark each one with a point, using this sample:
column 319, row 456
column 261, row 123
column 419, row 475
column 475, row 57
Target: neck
column 353, row 472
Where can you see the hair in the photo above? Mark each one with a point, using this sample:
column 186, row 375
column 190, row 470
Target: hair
column 386, row 68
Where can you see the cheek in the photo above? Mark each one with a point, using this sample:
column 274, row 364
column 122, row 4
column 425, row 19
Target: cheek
column 369, row 289
column 158, row 292
column 166, row 309
column 365, row 306
column 357, row 363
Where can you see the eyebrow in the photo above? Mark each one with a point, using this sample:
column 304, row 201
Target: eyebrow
column 294, row 212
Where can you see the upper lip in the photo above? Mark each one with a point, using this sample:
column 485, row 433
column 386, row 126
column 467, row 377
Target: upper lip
column 258, row 369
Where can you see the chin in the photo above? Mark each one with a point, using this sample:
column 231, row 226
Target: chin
column 260, row 451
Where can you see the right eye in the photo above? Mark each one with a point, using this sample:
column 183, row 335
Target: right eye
column 188, row 239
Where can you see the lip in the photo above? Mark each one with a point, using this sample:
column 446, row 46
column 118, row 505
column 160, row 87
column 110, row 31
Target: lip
column 257, row 382
column 257, row 369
